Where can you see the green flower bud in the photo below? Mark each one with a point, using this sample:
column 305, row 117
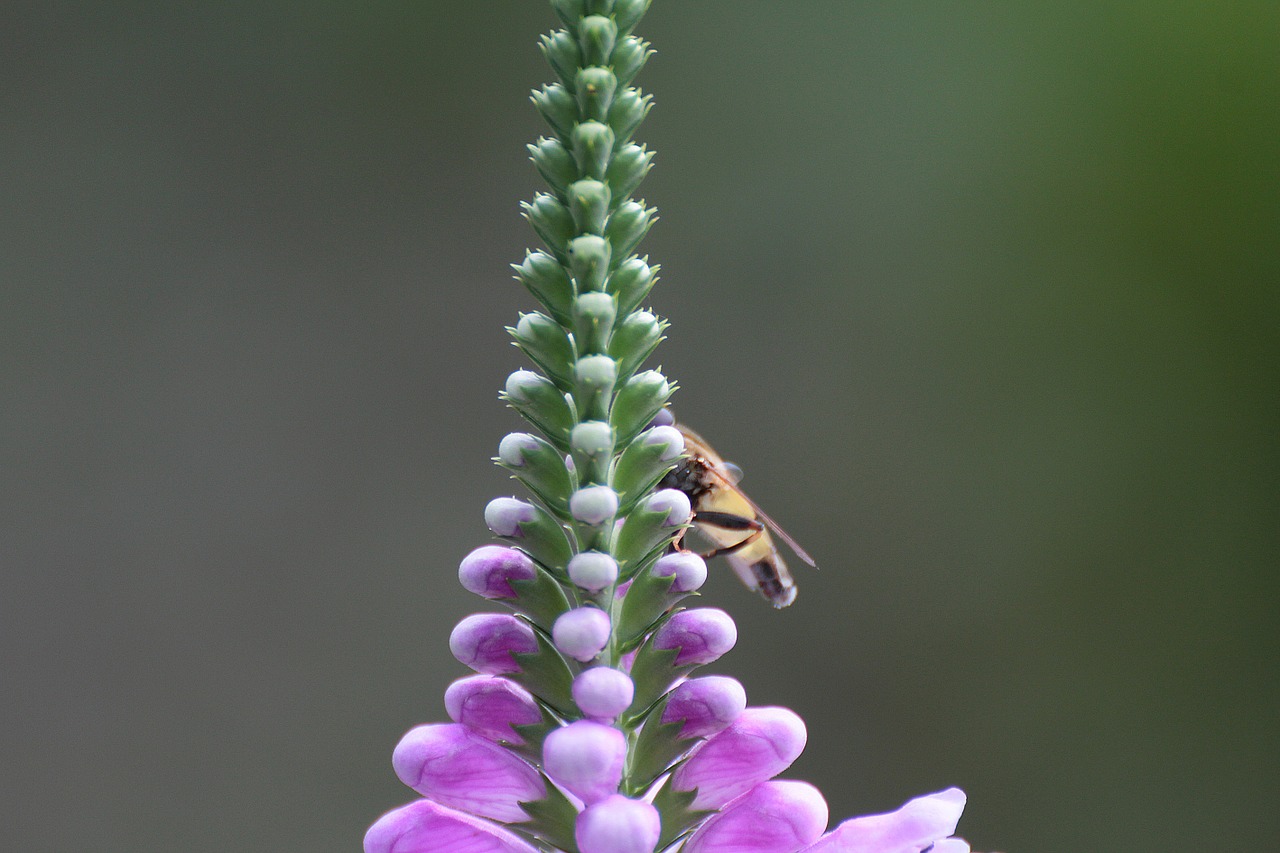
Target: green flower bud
column 558, row 108
column 597, row 36
column 561, row 51
column 548, row 282
column 546, row 343
column 629, row 12
column 628, row 225
column 592, row 445
column 628, row 110
column 596, row 376
column 627, row 170
column 631, row 283
column 595, row 87
column 554, row 163
column 551, row 220
column 628, row 58
column 569, row 11
column 634, row 340
column 593, row 316
column 589, row 259
column 646, row 460
column 592, row 148
column 539, row 466
column 589, row 205
column 638, row 400
column 649, row 529
column 542, row 404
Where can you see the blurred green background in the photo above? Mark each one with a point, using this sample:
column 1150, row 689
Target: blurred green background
column 983, row 296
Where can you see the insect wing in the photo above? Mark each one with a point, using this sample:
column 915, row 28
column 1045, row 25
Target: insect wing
column 763, row 516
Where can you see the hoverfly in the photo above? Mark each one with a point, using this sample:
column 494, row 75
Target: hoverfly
column 739, row 529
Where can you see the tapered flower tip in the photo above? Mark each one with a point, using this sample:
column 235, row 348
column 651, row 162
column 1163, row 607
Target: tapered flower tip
column 593, row 570
column 603, row 693
column 426, row 827
column 486, row 642
column 920, row 823
column 701, row 635
column 782, row 816
column 586, row 759
column 456, row 767
column 488, row 571
column 668, row 436
column 757, row 746
column 490, row 705
column 689, row 569
column 521, row 382
column 707, row 705
column 594, row 504
column 674, row 503
column 664, row 418
column 505, row 515
column 618, row 825
column 581, row 633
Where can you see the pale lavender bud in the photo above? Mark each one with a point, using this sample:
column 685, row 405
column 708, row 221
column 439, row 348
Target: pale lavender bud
column 581, row 633
column 593, row 570
column 486, row 642
column 701, row 635
column 519, row 383
column 663, row 418
column 757, row 746
column 488, row 571
column 666, row 435
column 618, row 825
column 427, row 827
column 776, row 817
column 593, row 438
column 594, row 504
column 490, row 706
column 707, row 705
column 456, row 767
column 674, row 503
column 505, row 515
column 689, row 569
column 586, row 759
column 920, row 822
column 514, row 446
column 604, row 693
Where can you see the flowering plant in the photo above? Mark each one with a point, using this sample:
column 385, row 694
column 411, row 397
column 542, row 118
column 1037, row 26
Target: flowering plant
column 584, row 729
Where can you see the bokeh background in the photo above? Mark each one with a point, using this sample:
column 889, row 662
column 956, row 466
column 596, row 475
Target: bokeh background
column 983, row 296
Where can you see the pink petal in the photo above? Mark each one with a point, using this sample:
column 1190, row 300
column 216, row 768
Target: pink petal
column 758, row 745
column 586, row 759
column 458, row 768
column 618, row 825
column 782, row 816
column 919, row 823
column 490, row 705
column 427, row 827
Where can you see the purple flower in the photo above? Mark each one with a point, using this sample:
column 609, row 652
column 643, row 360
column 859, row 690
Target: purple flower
column 618, row 825
column 701, row 635
column 774, row 817
column 689, row 569
column 453, row 766
column 490, row 706
column 758, row 745
column 486, row 642
column 426, row 827
column 488, row 571
column 505, row 515
column 707, row 705
column 581, row 633
column 921, row 823
column 586, row 759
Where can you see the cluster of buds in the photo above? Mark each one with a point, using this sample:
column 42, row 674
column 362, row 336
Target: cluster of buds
column 584, row 728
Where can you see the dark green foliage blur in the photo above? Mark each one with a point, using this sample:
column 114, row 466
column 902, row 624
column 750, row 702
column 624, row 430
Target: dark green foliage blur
column 984, row 297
